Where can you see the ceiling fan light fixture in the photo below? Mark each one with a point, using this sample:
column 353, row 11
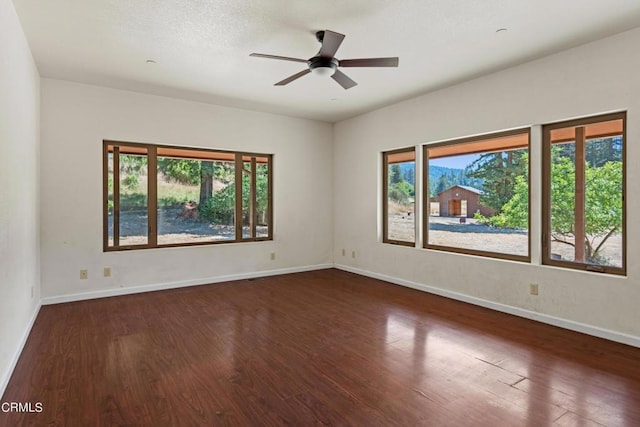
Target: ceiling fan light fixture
column 323, row 67
column 323, row 71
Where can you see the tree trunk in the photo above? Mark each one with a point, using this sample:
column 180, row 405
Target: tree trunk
column 206, row 182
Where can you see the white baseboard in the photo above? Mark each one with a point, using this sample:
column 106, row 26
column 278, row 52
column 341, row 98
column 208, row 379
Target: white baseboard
column 16, row 355
column 544, row 318
column 181, row 284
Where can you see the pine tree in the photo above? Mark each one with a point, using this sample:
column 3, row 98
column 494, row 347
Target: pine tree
column 395, row 174
column 498, row 172
column 443, row 184
column 409, row 175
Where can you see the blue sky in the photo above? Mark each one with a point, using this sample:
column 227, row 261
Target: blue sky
column 454, row 162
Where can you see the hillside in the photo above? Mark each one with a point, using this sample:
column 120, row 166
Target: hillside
column 441, row 178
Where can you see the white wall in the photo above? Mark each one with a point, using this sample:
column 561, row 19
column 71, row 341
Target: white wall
column 594, row 78
column 19, row 205
column 75, row 120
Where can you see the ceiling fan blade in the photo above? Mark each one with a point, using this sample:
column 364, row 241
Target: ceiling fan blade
column 343, row 80
column 296, row 76
column 331, row 41
column 369, row 62
column 283, row 58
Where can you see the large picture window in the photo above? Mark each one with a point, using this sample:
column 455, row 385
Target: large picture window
column 398, row 196
column 476, row 195
column 158, row 196
column 584, row 194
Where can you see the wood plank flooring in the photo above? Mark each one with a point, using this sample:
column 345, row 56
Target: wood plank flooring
column 318, row 348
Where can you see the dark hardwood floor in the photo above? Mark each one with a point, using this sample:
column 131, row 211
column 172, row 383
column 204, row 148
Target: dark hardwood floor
column 324, row 347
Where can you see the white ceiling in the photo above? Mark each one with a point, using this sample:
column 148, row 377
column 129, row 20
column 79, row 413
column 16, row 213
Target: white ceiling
column 202, row 47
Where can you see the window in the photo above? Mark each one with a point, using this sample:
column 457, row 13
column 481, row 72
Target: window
column 477, row 195
column 398, row 199
column 584, row 194
column 157, row 196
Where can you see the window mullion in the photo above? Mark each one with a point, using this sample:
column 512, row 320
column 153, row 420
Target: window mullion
column 238, row 194
column 385, row 197
column 270, row 197
column 116, row 196
column 580, row 189
column 253, row 209
column 426, row 199
column 152, row 191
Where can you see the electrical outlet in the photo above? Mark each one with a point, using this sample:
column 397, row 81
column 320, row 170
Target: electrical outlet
column 273, row 256
column 533, row 289
column 344, row 252
column 84, row 274
column 107, row 272
column 353, row 254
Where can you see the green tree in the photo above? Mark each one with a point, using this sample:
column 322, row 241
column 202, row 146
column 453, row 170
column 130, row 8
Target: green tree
column 515, row 213
column 132, row 167
column 220, row 208
column 597, row 151
column 395, row 174
column 603, row 204
column 401, row 192
column 498, row 172
column 603, row 150
column 194, row 172
column 442, row 184
column 180, row 170
column 409, row 174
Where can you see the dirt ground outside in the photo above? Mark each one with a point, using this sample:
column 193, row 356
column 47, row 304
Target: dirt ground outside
column 173, row 228
column 446, row 231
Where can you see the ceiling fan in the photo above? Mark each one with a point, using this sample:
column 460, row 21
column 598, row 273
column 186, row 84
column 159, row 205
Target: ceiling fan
column 324, row 62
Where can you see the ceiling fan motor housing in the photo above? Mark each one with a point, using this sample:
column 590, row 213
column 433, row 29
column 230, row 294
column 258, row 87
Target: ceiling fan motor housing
column 323, row 66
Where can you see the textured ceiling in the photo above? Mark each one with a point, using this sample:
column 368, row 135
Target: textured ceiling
column 201, row 47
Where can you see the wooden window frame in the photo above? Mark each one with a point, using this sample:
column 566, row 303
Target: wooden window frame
column 546, row 193
column 426, row 198
column 385, row 197
column 151, row 151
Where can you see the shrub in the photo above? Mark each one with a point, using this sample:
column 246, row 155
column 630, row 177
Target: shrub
column 481, row 219
column 401, row 192
column 220, row 208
